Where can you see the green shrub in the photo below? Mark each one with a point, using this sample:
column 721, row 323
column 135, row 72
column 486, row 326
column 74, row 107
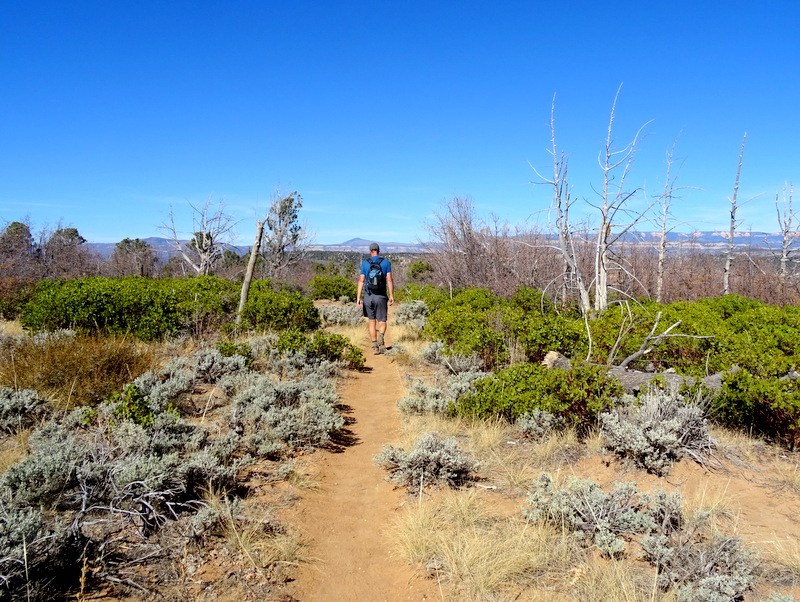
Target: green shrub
column 267, row 309
column 131, row 405
column 763, row 339
column 229, row 349
column 420, row 270
column 433, row 297
column 768, row 407
column 578, row 395
column 468, row 330
column 204, row 302
column 330, row 347
column 536, row 334
column 332, row 287
column 147, row 309
column 334, row 347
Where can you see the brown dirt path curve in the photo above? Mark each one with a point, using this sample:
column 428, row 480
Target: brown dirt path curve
column 345, row 518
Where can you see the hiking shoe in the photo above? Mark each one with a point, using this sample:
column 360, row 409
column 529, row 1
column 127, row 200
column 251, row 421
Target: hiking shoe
column 376, row 350
column 380, row 341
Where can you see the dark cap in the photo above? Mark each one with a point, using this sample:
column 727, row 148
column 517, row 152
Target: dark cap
column 374, row 247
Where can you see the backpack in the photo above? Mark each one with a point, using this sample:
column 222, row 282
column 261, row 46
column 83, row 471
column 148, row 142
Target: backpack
column 376, row 279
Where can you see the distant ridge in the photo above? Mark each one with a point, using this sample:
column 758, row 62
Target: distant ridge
column 711, row 242
column 164, row 249
column 362, row 245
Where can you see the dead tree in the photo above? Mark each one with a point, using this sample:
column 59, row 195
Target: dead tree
column 560, row 205
column 665, row 206
column 616, row 165
column 733, row 223
column 212, row 229
column 248, row 275
column 789, row 227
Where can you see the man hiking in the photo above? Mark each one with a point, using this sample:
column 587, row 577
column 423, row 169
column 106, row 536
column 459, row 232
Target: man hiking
column 375, row 282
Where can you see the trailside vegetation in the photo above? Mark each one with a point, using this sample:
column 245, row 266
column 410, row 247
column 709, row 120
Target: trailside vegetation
column 151, row 309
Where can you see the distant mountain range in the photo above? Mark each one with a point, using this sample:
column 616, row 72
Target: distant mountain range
column 705, row 241
column 164, row 249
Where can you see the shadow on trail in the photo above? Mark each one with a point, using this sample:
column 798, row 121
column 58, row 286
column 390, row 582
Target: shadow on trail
column 345, row 438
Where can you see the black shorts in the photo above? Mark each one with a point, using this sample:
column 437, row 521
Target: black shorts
column 376, row 307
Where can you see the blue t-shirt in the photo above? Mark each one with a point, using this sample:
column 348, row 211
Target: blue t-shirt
column 386, row 267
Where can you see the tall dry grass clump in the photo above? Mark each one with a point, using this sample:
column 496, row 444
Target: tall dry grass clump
column 72, row 369
column 480, row 556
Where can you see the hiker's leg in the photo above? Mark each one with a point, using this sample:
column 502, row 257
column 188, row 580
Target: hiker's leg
column 381, row 328
column 373, row 331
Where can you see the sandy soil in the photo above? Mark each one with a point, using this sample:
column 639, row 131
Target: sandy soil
column 344, row 517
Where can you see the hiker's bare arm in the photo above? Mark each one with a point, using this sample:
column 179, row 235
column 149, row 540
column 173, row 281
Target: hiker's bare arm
column 390, row 287
column 361, row 281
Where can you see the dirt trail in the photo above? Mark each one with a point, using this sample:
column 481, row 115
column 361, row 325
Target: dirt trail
column 345, row 518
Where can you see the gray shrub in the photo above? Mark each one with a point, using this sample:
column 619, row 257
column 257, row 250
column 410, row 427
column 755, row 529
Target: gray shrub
column 538, row 424
column 423, row 398
column 161, row 388
column 700, row 569
column 413, row 314
column 697, row 567
column 19, row 409
column 432, row 461
column 656, row 430
column 210, row 365
column 603, row 519
column 348, row 314
column 272, row 416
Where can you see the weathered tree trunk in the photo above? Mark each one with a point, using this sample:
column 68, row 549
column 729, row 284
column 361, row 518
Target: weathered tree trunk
column 248, row 275
column 726, row 273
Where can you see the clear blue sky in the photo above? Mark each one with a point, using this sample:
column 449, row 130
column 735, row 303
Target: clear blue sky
column 111, row 112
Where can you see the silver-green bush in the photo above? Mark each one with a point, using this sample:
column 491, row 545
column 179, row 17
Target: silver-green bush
column 423, row 398
column 603, row 519
column 699, row 569
column 432, row 461
column 538, row 424
column 413, row 314
column 348, row 314
column 19, row 409
column 656, row 430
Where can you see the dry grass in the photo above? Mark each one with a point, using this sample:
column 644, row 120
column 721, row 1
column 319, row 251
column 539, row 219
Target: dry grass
column 615, row 581
column 786, row 473
column 738, row 445
column 297, row 474
column 76, row 370
column 506, row 460
column 251, row 535
column 593, row 442
column 358, row 335
column 781, row 561
column 10, row 327
column 719, row 506
column 516, row 463
column 13, row 448
column 480, row 556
